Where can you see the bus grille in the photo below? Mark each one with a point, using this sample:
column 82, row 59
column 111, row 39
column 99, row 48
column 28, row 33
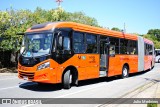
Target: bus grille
column 30, row 75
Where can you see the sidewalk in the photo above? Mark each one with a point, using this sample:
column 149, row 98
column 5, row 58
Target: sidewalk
column 151, row 90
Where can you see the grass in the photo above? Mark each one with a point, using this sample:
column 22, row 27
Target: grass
column 152, row 105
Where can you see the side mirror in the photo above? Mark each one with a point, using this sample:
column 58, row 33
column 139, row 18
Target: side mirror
column 22, row 50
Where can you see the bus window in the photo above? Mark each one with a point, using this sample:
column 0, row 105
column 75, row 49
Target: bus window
column 91, row 41
column 148, row 49
column 115, row 42
column 133, row 47
column 78, row 42
column 66, row 44
column 64, row 41
column 112, row 50
column 123, row 46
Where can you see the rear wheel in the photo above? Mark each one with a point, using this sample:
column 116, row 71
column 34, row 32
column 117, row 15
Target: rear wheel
column 125, row 72
column 159, row 60
column 67, row 79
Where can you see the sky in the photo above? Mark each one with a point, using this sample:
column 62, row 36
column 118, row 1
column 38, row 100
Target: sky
column 138, row 15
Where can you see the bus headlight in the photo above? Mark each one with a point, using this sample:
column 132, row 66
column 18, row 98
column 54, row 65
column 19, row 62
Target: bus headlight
column 44, row 65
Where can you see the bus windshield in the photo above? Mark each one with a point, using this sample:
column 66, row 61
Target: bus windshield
column 37, row 44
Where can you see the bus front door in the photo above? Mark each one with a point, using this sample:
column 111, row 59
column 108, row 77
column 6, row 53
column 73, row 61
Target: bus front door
column 104, row 58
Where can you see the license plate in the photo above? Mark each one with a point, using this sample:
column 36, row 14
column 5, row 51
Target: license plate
column 25, row 77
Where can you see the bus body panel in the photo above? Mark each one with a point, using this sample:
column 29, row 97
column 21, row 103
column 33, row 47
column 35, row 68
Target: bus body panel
column 148, row 61
column 87, row 65
column 116, row 64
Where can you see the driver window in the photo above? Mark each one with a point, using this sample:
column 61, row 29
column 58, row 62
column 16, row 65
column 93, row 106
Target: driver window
column 64, row 41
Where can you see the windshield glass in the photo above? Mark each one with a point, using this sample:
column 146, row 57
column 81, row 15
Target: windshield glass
column 37, row 44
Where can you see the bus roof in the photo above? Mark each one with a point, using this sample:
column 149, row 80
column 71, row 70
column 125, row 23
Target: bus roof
column 80, row 27
column 148, row 41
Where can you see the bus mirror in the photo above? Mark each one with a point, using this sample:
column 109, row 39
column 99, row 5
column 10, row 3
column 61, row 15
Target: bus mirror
column 60, row 40
column 22, row 50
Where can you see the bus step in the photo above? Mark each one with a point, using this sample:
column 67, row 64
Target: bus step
column 102, row 74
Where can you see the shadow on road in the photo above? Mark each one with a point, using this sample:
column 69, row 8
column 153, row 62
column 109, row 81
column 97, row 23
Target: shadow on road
column 55, row 87
column 40, row 87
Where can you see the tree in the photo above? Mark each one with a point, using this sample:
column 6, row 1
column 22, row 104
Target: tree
column 14, row 21
column 116, row 29
column 155, row 33
column 153, row 38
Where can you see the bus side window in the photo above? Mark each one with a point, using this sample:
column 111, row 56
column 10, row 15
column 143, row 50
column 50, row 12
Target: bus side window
column 115, row 42
column 91, row 41
column 78, row 42
column 64, row 42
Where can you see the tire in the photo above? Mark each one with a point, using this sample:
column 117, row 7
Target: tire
column 67, row 79
column 159, row 60
column 75, row 79
column 125, row 72
column 76, row 82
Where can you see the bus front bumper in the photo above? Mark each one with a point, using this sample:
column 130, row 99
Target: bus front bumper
column 43, row 76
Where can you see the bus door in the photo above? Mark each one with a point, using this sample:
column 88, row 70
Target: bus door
column 104, row 58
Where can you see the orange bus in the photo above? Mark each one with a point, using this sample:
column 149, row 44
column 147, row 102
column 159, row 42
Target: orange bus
column 67, row 52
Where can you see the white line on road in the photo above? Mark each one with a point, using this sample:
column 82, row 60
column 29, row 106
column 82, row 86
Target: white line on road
column 15, row 87
column 80, row 91
column 8, row 78
column 91, row 88
column 8, row 88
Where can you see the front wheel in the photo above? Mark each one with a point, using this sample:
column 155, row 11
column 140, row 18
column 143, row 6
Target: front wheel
column 125, row 72
column 159, row 60
column 67, row 79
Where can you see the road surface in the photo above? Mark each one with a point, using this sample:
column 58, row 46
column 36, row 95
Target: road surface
column 114, row 87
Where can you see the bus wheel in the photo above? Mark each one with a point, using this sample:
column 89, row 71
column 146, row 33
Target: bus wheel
column 67, row 79
column 125, row 72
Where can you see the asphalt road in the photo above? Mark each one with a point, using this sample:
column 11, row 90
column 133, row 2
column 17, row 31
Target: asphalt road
column 114, row 87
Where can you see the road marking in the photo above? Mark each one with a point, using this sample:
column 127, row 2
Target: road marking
column 70, row 94
column 80, row 91
column 8, row 78
column 16, row 86
column 8, row 88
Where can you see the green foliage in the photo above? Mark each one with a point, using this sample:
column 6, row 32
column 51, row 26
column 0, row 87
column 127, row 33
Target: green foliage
column 155, row 33
column 15, row 21
column 154, row 39
column 152, row 105
column 116, row 29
